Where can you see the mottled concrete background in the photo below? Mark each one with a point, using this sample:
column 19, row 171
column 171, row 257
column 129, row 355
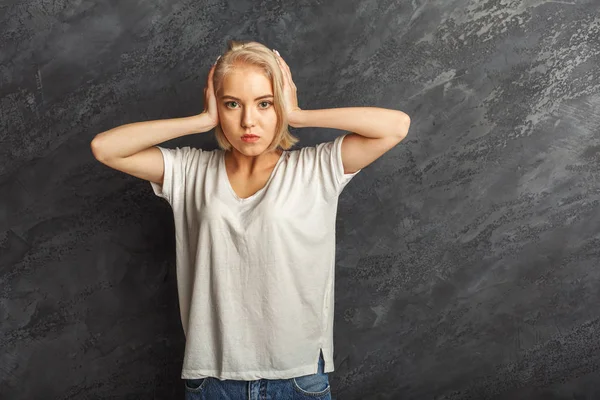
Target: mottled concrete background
column 468, row 256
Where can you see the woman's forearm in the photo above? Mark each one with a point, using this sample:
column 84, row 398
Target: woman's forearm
column 128, row 139
column 372, row 122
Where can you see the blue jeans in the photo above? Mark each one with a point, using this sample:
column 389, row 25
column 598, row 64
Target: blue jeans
column 307, row 387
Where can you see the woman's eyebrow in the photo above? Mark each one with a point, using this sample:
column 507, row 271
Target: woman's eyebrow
column 258, row 98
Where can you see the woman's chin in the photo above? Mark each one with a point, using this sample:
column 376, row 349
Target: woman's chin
column 250, row 150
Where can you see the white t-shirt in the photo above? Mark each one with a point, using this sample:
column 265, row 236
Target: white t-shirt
column 255, row 276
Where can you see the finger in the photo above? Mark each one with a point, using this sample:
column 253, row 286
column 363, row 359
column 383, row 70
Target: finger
column 288, row 78
column 286, row 74
column 283, row 74
column 281, row 64
column 287, row 70
column 285, row 66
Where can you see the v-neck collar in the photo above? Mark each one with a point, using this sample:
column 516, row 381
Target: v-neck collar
column 225, row 178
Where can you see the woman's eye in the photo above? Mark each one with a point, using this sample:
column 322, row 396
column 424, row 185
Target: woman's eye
column 264, row 104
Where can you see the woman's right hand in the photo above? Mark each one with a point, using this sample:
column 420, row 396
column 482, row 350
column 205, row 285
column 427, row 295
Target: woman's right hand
column 210, row 99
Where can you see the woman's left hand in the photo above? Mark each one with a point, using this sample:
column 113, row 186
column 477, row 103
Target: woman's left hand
column 290, row 97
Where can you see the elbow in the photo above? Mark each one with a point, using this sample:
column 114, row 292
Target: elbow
column 95, row 147
column 404, row 126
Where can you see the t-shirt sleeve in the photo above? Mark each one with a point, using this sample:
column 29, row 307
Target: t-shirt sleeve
column 176, row 163
column 331, row 168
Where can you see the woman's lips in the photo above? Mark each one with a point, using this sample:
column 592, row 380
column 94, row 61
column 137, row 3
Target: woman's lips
column 250, row 138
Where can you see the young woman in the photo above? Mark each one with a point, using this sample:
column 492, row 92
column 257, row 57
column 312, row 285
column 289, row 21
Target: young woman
column 254, row 224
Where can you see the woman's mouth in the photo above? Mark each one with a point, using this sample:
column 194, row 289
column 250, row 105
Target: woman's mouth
column 250, row 138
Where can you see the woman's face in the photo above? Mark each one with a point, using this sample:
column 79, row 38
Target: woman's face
column 245, row 106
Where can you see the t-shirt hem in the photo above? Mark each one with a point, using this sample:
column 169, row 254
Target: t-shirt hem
column 249, row 375
column 258, row 374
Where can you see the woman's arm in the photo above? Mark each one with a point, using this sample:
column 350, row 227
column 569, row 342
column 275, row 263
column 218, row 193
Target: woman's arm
column 375, row 131
column 129, row 139
column 126, row 140
column 371, row 122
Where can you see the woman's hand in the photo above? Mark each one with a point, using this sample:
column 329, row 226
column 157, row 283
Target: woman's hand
column 210, row 99
column 290, row 97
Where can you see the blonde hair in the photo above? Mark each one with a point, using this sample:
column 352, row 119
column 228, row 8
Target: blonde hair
column 252, row 53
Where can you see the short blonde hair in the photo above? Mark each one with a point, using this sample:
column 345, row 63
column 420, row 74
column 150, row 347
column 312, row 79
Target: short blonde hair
column 254, row 54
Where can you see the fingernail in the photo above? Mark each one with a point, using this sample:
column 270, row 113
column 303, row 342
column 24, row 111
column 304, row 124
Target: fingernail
column 217, row 60
column 276, row 52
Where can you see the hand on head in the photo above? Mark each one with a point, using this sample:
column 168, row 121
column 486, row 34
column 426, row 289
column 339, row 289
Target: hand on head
column 210, row 98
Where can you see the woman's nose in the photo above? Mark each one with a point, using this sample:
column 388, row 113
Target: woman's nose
column 248, row 119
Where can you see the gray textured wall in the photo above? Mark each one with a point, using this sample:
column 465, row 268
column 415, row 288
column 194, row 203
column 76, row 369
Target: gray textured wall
column 468, row 256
